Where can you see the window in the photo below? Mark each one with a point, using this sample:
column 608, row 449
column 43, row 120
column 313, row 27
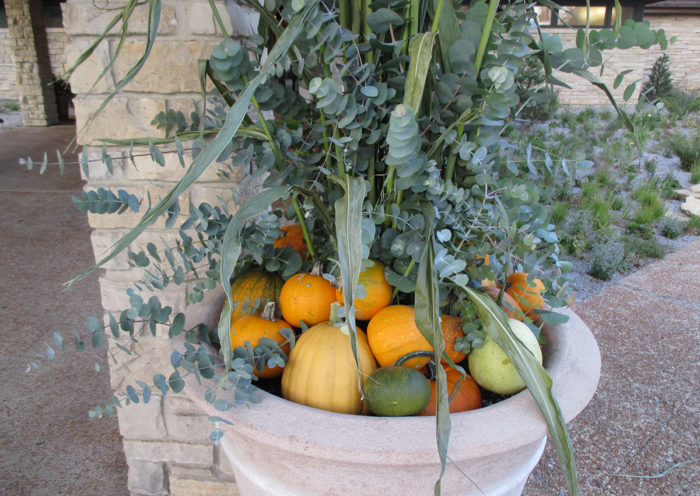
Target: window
column 575, row 15
column 54, row 15
column 3, row 15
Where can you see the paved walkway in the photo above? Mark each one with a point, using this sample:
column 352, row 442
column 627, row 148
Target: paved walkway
column 639, row 435
column 48, row 445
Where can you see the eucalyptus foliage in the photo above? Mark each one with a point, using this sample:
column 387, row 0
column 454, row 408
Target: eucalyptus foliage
column 380, row 127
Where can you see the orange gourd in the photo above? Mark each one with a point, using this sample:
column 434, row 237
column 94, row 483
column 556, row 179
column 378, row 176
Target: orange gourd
column 378, row 292
column 307, row 297
column 292, row 236
column 392, row 333
column 467, row 397
column 252, row 327
column 252, row 290
column 322, row 373
column 508, row 303
column 528, row 295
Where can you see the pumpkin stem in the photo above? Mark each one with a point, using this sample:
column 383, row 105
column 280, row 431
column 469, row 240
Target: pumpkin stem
column 335, row 318
column 413, row 354
column 268, row 312
column 316, row 271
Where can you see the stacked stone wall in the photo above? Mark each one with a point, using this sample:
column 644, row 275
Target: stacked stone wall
column 30, row 51
column 684, row 54
column 167, row 440
column 8, row 73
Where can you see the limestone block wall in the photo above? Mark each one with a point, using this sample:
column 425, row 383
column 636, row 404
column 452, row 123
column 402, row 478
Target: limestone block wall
column 8, row 73
column 167, row 440
column 30, row 52
column 684, row 55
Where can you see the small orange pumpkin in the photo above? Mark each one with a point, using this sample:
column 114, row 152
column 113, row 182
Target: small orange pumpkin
column 528, row 295
column 292, row 236
column 252, row 327
column 307, row 297
column 508, row 303
column 392, row 333
column 252, row 290
column 467, row 397
column 378, row 292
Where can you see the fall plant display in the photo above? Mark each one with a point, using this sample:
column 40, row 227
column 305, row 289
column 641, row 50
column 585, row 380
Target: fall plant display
column 395, row 260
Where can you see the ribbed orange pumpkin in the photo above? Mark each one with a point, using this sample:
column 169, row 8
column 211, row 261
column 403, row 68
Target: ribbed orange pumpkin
column 307, row 297
column 252, row 327
column 292, row 236
column 468, row 397
column 508, row 303
column 252, row 290
column 392, row 333
column 321, row 371
column 528, row 295
column 378, row 292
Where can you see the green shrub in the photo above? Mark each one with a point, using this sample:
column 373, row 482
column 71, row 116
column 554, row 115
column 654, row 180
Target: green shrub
column 669, row 185
column 651, row 207
column 539, row 102
column 671, row 228
column 617, row 203
column 560, row 212
column 695, row 173
column 659, row 83
column 644, row 248
column 607, row 259
column 680, row 104
column 594, row 201
column 650, row 166
column 687, row 149
column 693, row 226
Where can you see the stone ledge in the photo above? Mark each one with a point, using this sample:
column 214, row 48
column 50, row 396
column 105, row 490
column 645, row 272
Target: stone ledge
column 201, row 455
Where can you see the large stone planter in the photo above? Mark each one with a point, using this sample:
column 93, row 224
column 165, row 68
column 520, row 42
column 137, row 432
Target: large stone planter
column 279, row 448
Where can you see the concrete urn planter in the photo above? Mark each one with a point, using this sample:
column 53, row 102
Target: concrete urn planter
column 280, row 448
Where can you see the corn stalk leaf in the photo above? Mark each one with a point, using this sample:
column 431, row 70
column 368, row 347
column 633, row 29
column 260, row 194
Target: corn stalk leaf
column 231, row 251
column 427, row 318
column 348, row 229
column 234, row 118
column 243, row 132
column 448, row 31
column 421, row 53
column 598, row 83
column 535, row 377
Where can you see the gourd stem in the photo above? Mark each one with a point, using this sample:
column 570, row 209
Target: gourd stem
column 335, row 318
column 414, row 354
column 268, row 312
column 316, row 271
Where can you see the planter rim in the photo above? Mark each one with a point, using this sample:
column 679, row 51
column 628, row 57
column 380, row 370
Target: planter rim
column 571, row 357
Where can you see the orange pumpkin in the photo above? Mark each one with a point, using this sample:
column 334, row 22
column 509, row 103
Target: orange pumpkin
column 252, row 290
column 378, row 292
column 508, row 303
column 252, row 327
column 292, row 236
column 528, row 295
column 467, row 397
column 392, row 333
column 307, row 297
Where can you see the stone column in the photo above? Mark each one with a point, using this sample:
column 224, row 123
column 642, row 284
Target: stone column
column 167, row 440
column 30, row 47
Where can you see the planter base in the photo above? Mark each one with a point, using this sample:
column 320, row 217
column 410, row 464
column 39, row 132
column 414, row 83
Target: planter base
column 280, row 448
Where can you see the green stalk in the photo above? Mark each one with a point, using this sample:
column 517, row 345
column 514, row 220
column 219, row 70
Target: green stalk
column 414, row 14
column 480, row 52
column 343, row 8
column 366, row 11
column 370, row 176
column 356, row 16
column 219, row 21
column 304, row 229
column 436, row 20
